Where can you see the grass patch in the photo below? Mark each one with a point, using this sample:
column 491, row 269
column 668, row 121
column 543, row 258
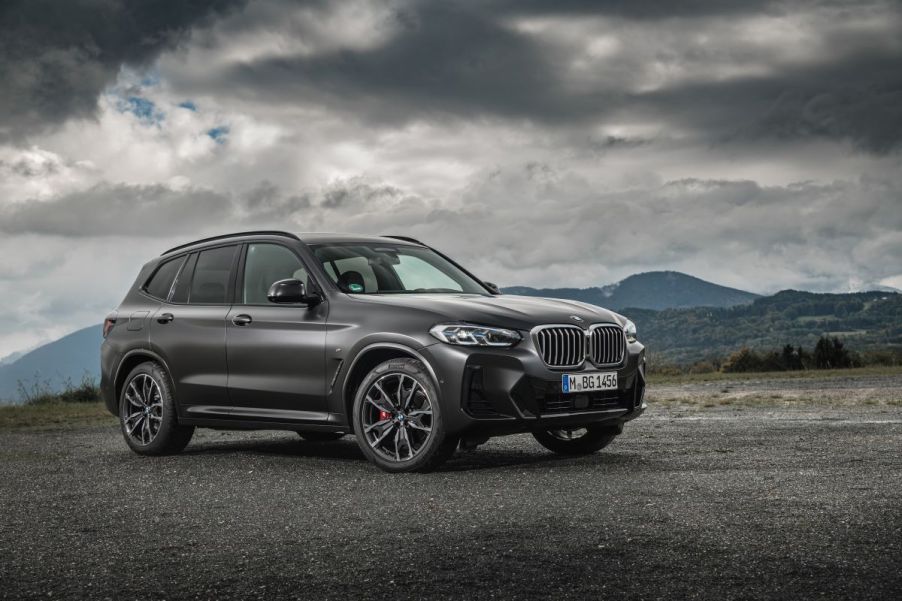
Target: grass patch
column 54, row 415
column 811, row 374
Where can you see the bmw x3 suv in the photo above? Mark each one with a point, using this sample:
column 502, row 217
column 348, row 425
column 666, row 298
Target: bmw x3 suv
column 383, row 337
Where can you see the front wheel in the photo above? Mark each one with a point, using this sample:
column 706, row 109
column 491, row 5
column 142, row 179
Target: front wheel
column 577, row 440
column 398, row 420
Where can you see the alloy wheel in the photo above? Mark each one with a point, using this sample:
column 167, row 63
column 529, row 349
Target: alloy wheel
column 143, row 412
column 397, row 417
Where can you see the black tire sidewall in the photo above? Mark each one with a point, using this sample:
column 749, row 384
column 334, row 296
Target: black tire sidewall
column 595, row 439
column 437, row 448
column 171, row 437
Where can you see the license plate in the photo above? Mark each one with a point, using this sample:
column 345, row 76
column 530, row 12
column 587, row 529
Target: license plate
column 589, row 381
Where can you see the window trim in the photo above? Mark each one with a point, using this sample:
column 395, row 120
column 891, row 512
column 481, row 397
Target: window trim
column 156, row 270
column 238, row 288
column 188, row 256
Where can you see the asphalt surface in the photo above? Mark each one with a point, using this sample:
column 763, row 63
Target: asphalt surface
column 711, row 504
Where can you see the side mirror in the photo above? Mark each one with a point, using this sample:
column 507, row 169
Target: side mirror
column 493, row 288
column 291, row 291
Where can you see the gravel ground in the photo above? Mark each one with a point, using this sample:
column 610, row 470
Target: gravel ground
column 851, row 391
column 752, row 504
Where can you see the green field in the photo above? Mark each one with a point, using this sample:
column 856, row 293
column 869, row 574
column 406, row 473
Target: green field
column 50, row 416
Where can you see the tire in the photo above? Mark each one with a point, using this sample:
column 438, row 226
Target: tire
column 147, row 414
column 412, row 437
column 593, row 437
column 320, row 436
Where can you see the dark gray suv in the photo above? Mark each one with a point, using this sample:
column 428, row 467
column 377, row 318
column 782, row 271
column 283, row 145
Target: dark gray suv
column 381, row 337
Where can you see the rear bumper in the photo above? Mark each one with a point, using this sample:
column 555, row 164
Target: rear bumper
column 498, row 391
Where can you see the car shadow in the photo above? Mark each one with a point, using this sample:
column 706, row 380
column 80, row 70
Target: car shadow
column 488, row 459
column 346, row 450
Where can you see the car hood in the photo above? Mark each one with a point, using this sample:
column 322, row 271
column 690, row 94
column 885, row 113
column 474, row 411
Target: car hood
column 506, row 311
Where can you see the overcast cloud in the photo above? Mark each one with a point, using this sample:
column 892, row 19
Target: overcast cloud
column 754, row 144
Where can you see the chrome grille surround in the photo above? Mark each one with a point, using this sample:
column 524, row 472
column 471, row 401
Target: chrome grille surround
column 607, row 344
column 568, row 346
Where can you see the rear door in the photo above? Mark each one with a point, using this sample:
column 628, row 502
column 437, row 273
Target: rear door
column 189, row 331
column 276, row 353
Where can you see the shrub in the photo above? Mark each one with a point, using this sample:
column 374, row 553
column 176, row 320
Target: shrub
column 40, row 392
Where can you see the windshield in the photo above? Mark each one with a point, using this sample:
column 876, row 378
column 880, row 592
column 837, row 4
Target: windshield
column 387, row 269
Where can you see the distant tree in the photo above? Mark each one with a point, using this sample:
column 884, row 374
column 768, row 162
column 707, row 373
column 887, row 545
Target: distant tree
column 742, row 360
column 830, row 353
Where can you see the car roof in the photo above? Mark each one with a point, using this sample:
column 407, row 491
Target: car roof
column 307, row 238
column 317, row 238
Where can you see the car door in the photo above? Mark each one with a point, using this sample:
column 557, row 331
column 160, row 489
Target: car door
column 189, row 331
column 276, row 353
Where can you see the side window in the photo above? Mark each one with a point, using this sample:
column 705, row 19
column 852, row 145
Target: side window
column 183, row 281
column 211, row 276
column 417, row 274
column 161, row 282
column 265, row 264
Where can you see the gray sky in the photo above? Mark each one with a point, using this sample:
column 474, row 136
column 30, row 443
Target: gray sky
column 752, row 143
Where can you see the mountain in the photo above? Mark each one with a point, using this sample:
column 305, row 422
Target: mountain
column 12, row 357
column 50, row 366
column 865, row 321
column 656, row 290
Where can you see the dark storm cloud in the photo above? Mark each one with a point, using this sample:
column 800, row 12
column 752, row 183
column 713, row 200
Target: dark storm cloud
column 636, row 9
column 858, row 98
column 121, row 208
column 56, row 57
column 464, row 61
column 446, row 59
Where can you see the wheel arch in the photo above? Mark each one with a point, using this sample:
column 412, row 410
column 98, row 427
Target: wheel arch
column 369, row 357
column 129, row 361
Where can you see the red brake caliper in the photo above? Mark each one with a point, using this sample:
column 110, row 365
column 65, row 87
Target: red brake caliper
column 384, row 415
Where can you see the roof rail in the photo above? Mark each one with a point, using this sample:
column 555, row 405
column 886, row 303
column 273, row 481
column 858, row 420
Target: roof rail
column 235, row 235
column 405, row 239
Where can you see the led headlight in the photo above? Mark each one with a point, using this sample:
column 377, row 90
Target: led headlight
column 629, row 328
column 467, row 335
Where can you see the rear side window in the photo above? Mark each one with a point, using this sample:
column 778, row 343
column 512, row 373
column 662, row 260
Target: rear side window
column 211, row 276
column 161, row 282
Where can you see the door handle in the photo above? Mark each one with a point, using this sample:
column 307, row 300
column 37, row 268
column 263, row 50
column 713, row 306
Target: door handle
column 165, row 317
column 242, row 320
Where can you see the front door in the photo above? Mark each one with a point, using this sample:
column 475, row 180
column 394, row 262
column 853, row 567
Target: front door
column 276, row 353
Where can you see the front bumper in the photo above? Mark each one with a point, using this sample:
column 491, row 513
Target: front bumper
column 497, row 391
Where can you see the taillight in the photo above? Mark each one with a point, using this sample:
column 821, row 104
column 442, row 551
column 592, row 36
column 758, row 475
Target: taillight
column 108, row 324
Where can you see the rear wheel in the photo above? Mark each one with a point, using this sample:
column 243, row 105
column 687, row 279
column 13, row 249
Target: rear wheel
column 147, row 413
column 398, row 420
column 320, row 436
column 576, row 440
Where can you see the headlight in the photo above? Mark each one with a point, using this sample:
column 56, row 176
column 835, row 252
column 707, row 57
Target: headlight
column 629, row 328
column 466, row 335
